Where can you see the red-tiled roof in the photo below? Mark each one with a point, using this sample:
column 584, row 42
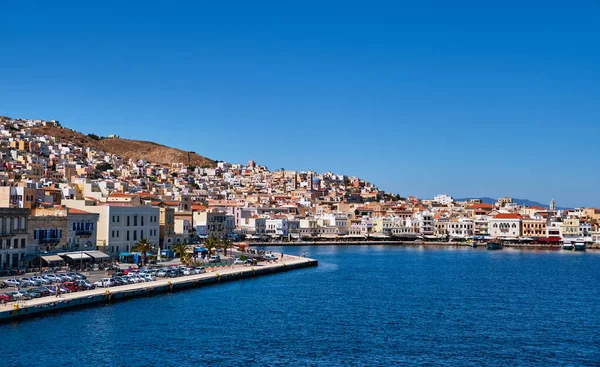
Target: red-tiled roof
column 508, row 216
column 121, row 195
column 480, row 206
column 78, row 211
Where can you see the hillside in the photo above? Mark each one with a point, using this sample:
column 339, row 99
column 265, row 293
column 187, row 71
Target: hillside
column 134, row 149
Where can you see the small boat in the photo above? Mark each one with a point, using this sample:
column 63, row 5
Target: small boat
column 474, row 244
column 494, row 246
column 567, row 246
column 579, row 246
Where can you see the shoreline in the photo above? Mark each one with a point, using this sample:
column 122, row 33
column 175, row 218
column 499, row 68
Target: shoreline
column 409, row 244
column 39, row 306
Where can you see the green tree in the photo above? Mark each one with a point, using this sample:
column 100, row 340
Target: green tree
column 225, row 244
column 180, row 249
column 211, row 242
column 144, row 246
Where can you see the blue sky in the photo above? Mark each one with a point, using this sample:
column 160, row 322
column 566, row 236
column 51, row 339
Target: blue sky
column 463, row 98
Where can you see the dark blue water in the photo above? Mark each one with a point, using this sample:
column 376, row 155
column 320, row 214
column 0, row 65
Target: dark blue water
column 361, row 306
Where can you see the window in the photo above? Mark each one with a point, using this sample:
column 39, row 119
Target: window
column 23, row 223
column 22, row 243
column 16, row 223
column 127, row 235
column 128, row 222
column 135, row 220
column 142, row 234
column 135, row 235
column 142, row 220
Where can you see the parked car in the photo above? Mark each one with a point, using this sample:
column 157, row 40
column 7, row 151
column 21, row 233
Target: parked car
column 42, row 280
column 53, row 277
column 120, row 281
column 33, row 294
column 105, row 282
column 172, row 273
column 51, row 289
column 64, row 277
column 199, row 270
column 250, row 261
column 42, row 291
column 214, row 259
column 3, row 285
column 72, row 286
column 76, row 276
column 13, row 282
column 270, row 257
column 5, row 298
column 239, row 261
column 20, row 295
column 149, row 277
column 30, row 282
column 162, row 273
column 185, row 271
column 84, row 284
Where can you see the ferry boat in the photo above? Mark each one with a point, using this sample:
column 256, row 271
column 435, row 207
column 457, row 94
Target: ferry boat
column 567, row 246
column 494, row 246
column 579, row 246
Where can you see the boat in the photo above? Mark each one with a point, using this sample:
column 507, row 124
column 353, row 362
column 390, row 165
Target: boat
column 579, row 246
column 494, row 246
column 567, row 246
column 474, row 244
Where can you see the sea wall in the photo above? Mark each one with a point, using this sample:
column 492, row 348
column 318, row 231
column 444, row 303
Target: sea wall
column 39, row 306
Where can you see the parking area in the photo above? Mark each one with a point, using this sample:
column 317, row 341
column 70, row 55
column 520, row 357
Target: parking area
column 53, row 284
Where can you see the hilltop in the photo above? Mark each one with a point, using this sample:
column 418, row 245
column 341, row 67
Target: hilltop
column 133, row 149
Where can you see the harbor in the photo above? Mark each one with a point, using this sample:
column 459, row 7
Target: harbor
column 39, row 306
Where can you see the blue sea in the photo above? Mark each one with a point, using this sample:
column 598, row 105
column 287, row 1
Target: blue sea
column 362, row 306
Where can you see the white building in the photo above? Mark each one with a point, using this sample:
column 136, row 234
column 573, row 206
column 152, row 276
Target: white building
column 507, row 225
column 443, row 199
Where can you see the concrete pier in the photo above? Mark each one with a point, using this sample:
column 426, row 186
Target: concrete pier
column 39, row 306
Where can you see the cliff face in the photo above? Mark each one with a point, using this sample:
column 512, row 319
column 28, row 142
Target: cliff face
column 134, row 149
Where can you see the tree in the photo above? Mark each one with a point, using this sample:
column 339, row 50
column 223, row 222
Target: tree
column 144, row 246
column 211, row 242
column 225, row 244
column 180, row 249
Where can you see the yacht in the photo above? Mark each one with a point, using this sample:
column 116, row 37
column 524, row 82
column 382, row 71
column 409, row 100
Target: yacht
column 567, row 246
column 579, row 246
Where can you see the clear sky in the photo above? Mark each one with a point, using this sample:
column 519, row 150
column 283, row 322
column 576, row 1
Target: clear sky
column 474, row 98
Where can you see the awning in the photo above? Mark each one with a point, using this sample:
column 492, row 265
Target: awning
column 75, row 255
column 51, row 258
column 97, row 254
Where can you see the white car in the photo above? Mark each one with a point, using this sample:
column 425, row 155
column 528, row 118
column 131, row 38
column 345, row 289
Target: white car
column 148, row 277
column 13, row 282
column 105, row 282
column 270, row 257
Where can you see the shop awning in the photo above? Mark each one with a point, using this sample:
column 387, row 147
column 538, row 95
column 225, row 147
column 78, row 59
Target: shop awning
column 51, row 258
column 97, row 254
column 75, row 255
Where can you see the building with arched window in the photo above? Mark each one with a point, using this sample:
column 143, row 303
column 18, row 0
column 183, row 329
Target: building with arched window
column 507, row 225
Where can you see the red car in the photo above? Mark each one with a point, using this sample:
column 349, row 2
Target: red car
column 72, row 286
column 5, row 298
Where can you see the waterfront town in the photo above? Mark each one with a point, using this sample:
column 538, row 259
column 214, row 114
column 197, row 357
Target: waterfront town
column 62, row 202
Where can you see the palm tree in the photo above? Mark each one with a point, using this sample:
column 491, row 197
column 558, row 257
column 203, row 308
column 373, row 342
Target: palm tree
column 225, row 244
column 211, row 242
column 144, row 246
column 180, row 249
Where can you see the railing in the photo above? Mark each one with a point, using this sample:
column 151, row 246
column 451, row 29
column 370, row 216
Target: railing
column 83, row 232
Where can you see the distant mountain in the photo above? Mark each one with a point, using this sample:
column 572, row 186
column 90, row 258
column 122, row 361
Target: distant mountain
column 133, row 149
column 523, row 202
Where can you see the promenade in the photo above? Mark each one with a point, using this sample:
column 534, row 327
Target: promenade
column 34, row 307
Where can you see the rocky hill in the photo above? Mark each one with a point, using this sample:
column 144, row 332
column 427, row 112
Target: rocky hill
column 134, row 149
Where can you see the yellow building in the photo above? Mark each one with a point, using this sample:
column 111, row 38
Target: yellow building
column 534, row 228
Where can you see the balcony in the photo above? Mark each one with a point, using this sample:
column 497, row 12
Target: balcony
column 83, row 232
